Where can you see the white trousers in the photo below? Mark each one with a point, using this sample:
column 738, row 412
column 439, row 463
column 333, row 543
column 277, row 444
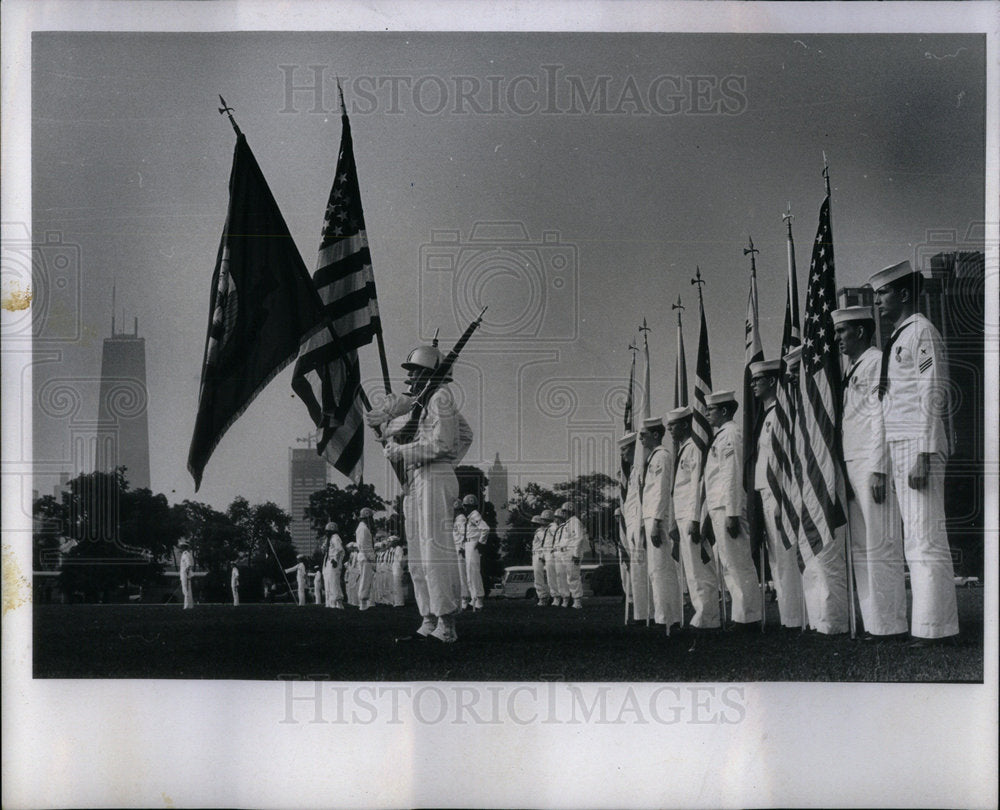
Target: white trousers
column 433, row 558
column 463, row 577
column 664, row 583
column 331, row 582
column 925, row 544
column 551, row 573
column 737, row 568
column 538, row 569
column 824, row 584
column 638, row 573
column 236, row 594
column 473, row 571
column 703, row 586
column 352, row 585
column 877, row 553
column 367, row 575
column 784, row 566
column 574, row 583
column 318, row 591
column 398, row 598
column 562, row 574
column 188, row 593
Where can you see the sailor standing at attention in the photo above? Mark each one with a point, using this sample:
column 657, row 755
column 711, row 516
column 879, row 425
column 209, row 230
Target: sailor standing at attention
column 538, row 561
column 913, row 389
column 726, row 500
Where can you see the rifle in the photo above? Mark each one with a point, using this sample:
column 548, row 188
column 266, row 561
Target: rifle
column 408, row 432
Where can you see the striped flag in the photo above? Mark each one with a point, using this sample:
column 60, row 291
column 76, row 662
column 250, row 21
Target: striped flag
column 753, row 352
column 327, row 376
column 818, row 420
column 781, row 477
column 701, row 431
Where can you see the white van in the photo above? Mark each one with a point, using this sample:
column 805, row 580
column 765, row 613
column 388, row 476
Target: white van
column 519, row 581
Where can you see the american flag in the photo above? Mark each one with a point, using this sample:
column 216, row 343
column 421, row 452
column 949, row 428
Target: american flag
column 819, row 388
column 327, row 376
column 781, row 477
column 753, row 352
column 701, row 431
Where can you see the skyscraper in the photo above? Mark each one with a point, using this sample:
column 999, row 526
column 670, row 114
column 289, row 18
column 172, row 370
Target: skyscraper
column 122, row 425
column 498, row 492
column 306, row 474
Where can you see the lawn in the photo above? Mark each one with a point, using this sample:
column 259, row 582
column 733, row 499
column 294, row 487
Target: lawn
column 508, row 641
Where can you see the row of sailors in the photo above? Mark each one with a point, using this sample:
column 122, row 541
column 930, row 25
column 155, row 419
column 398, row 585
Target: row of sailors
column 367, row 571
column 894, row 445
column 469, row 532
column 557, row 549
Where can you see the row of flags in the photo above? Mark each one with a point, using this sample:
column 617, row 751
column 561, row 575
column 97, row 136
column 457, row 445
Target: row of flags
column 804, row 471
column 265, row 311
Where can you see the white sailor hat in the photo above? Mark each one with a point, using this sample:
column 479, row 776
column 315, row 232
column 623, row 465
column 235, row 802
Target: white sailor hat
column 765, row 367
column 470, row 500
column 301, row 557
column 848, row 314
column 627, row 439
column 538, row 518
column 889, row 274
column 547, row 515
column 456, row 504
column 567, row 508
column 720, row 398
column 679, row 413
column 652, row 422
column 794, row 356
column 183, row 544
column 331, row 527
column 366, row 513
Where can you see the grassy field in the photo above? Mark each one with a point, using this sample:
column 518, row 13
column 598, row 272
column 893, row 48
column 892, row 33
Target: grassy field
column 508, row 641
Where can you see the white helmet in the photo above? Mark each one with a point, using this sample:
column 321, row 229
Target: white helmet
column 423, row 357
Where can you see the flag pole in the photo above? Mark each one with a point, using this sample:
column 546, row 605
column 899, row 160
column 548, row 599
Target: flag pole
column 849, row 544
column 645, row 414
column 227, row 110
column 277, row 559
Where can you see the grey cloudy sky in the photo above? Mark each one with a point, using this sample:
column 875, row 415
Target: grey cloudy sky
column 640, row 155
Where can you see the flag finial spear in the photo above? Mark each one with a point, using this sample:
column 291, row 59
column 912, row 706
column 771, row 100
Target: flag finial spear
column 633, row 347
column 434, row 341
column 644, row 328
column 679, row 307
column 340, row 93
column 225, row 108
column 753, row 255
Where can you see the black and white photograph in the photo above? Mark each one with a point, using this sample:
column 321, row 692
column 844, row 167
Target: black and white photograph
column 486, row 405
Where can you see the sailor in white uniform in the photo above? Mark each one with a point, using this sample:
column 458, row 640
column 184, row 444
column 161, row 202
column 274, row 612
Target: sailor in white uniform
column 538, row 561
column 914, row 395
column 575, row 542
column 701, row 576
column 473, row 538
column 726, row 501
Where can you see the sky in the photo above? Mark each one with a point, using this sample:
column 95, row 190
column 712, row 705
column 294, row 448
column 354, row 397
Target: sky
column 618, row 163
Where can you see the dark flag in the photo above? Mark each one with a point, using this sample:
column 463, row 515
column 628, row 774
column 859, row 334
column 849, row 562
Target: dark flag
column 817, row 421
column 263, row 304
column 701, row 431
column 327, row 376
column 753, row 410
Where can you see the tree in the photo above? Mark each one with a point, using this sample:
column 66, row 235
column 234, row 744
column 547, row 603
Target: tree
column 471, row 481
column 112, row 536
column 343, row 506
column 593, row 496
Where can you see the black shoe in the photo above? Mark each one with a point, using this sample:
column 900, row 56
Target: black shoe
column 872, row 638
